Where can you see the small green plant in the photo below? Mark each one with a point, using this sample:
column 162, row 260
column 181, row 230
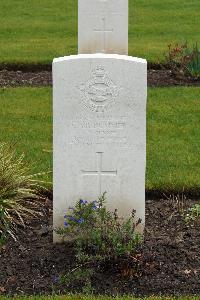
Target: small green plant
column 20, row 192
column 193, row 64
column 184, row 60
column 99, row 236
column 193, row 214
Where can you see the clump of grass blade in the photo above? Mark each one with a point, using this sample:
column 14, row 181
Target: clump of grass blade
column 21, row 193
column 193, row 65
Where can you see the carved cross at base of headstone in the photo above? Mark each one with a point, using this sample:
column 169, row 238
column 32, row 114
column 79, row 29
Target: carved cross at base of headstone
column 99, row 172
column 104, row 33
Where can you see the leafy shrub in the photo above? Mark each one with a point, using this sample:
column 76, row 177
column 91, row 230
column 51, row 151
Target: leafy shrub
column 99, row 236
column 20, row 192
column 184, row 60
column 193, row 214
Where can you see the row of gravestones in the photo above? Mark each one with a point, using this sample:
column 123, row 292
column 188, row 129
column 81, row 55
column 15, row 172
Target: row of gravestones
column 99, row 112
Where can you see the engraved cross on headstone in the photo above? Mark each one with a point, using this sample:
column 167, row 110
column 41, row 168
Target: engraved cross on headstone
column 99, row 172
column 104, row 32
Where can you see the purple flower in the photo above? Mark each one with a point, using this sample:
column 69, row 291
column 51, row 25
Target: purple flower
column 80, row 221
column 83, row 201
column 71, row 218
column 72, row 208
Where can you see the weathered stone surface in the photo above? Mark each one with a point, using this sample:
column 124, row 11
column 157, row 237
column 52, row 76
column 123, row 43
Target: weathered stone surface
column 99, row 132
column 103, row 26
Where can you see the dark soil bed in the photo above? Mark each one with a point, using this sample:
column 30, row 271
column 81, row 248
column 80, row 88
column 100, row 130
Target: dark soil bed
column 156, row 78
column 169, row 261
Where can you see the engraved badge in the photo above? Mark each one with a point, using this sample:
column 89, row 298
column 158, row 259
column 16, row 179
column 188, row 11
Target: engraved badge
column 99, row 92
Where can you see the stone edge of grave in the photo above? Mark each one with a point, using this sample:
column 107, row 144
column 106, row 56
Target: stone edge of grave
column 100, row 55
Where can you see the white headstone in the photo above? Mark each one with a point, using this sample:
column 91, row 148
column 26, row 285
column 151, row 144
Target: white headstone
column 103, row 26
column 99, row 132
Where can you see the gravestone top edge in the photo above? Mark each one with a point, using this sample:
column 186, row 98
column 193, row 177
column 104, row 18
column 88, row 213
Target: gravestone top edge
column 100, row 55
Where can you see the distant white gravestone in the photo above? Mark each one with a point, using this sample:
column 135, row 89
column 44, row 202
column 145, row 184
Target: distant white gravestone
column 103, row 26
column 99, row 132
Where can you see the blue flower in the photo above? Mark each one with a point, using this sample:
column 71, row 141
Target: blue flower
column 71, row 218
column 55, row 279
column 83, row 201
column 95, row 205
column 66, row 224
column 67, row 216
column 80, row 221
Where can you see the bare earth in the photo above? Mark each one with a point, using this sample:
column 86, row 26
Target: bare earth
column 156, row 78
column 168, row 262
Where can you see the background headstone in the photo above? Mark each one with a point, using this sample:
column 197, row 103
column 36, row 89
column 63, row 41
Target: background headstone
column 103, row 26
column 99, row 132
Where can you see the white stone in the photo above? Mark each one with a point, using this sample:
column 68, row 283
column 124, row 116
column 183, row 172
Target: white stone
column 103, row 26
column 99, row 132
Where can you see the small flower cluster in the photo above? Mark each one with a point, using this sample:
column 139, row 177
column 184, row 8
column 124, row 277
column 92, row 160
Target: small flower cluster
column 100, row 231
column 98, row 236
column 94, row 203
column 71, row 219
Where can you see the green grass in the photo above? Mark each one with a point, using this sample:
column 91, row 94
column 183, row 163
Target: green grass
column 79, row 297
column 37, row 31
column 173, row 142
column 26, row 122
column 172, row 132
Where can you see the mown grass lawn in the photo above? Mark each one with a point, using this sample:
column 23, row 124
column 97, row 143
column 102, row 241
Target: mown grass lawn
column 173, row 142
column 172, row 133
column 26, row 123
column 37, row 31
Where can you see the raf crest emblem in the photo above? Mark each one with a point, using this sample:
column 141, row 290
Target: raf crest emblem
column 99, row 92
